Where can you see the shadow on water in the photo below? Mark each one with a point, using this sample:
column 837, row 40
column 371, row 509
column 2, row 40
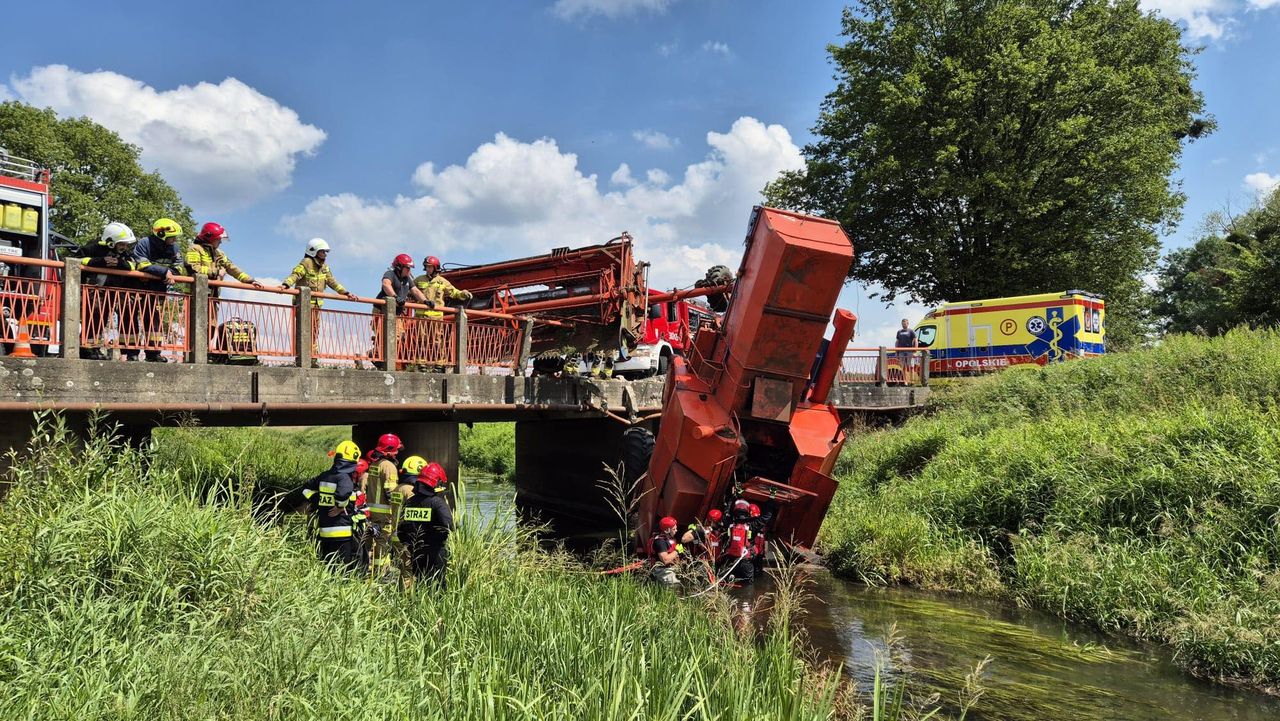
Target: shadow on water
column 1042, row 668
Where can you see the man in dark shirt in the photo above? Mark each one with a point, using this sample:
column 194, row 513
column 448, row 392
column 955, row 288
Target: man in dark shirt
column 906, row 336
column 398, row 284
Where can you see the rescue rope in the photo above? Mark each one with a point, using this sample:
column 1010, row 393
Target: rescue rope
column 718, row 581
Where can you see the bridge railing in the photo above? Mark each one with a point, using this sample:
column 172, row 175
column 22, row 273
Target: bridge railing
column 69, row 308
column 885, row 366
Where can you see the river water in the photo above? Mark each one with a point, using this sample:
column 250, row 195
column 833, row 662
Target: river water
column 1042, row 668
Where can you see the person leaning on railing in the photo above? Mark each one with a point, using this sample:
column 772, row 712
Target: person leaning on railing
column 436, row 291
column 115, row 251
column 315, row 273
column 205, row 258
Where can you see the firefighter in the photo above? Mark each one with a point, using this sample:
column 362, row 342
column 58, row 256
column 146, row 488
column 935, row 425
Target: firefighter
column 759, row 547
column 315, row 273
column 332, row 495
column 115, row 251
column 205, row 258
column 705, row 537
column 411, row 467
column 436, row 291
column 398, row 286
column 157, row 256
column 664, row 552
column 736, row 546
column 425, row 524
column 383, row 480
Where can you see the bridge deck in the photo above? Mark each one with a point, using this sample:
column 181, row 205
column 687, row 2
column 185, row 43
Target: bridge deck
column 240, row 395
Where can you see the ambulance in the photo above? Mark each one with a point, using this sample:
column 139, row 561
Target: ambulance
column 982, row 336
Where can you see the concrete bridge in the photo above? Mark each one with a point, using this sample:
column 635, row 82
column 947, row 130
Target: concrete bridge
column 565, row 426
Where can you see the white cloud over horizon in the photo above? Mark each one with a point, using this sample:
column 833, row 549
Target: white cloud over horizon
column 1207, row 19
column 512, row 197
column 655, row 139
column 222, row 146
column 610, row 9
column 1262, row 183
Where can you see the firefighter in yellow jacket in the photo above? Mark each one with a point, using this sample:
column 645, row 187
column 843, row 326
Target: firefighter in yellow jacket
column 315, row 274
column 438, row 291
column 204, row 257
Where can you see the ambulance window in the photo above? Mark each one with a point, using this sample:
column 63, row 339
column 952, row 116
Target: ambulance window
column 926, row 334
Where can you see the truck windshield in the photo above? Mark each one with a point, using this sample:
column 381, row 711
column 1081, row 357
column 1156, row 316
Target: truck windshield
column 925, row 335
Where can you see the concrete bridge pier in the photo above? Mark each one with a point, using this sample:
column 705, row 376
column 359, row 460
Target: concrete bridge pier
column 433, row 440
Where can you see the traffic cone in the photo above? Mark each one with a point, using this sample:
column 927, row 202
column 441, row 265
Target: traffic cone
column 22, row 347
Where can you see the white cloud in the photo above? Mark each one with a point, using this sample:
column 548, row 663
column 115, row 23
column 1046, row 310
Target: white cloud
column 1262, row 183
column 655, row 139
column 611, row 9
column 258, row 296
column 512, row 197
column 1206, row 19
column 222, row 146
column 1263, row 4
column 716, row 47
column 666, row 50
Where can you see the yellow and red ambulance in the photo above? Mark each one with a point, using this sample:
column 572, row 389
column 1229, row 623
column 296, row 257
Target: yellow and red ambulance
column 981, row 336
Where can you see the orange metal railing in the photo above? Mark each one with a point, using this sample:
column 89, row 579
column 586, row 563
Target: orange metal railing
column 35, row 302
column 244, row 329
column 493, row 344
column 891, row 366
column 347, row 336
column 133, row 319
column 427, row 342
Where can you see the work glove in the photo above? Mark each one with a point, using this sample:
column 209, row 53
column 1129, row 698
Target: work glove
column 466, row 295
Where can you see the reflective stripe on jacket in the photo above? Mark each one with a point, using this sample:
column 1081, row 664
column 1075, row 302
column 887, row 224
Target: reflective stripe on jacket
column 315, row 276
column 206, row 261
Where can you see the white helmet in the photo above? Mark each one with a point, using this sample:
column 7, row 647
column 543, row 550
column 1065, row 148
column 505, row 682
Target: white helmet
column 117, row 233
column 315, row 245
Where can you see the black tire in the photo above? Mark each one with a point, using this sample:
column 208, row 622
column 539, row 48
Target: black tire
column 637, row 449
column 664, row 363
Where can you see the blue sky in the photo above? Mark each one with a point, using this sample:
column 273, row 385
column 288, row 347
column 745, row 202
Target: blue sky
column 484, row 130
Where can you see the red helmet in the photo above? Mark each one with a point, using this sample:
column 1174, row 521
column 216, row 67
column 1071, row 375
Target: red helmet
column 433, row 475
column 667, row 523
column 755, row 511
column 362, row 467
column 430, row 260
column 404, row 260
column 389, row 443
column 741, row 506
column 211, row 231
column 714, row 515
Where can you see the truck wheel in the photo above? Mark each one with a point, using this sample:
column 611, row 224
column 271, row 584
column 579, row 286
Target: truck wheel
column 664, row 363
column 637, row 449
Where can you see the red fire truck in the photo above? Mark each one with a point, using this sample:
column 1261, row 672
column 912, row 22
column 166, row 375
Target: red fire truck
column 669, row 329
column 29, row 294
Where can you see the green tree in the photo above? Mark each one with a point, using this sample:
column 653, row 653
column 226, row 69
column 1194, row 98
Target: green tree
column 984, row 148
column 96, row 176
column 1228, row 278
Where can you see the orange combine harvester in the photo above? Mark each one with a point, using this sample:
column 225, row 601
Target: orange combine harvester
column 745, row 412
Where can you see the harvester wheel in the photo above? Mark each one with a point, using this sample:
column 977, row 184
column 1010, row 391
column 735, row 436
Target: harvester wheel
column 637, row 449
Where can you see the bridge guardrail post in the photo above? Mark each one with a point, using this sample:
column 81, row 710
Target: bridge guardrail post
column 924, row 367
column 198, row 325
column 390, row 333
column 460, row 325
column 882, row 367
column 526, row 348
column 304, row 328
column 71, row 309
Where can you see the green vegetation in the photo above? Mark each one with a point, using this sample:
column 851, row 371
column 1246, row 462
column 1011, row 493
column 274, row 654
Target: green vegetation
column 272, row 458
column 489, row 448
column 996, row 148
column 97, row 176
column 129, row 595
column 1139, row 492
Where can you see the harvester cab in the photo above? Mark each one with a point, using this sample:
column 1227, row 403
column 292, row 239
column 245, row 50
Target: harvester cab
column 745, row 412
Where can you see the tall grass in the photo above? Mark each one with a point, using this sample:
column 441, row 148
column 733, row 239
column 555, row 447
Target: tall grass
column 132, row 592
column 1139, row 492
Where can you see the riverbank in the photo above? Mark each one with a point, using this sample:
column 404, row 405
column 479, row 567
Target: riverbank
column 140, row 589
column 1138, row 492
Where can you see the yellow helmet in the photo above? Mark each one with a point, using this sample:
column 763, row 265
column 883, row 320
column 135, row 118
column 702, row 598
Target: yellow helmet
column 166, row 228
column 347, row 451
column 413, row 464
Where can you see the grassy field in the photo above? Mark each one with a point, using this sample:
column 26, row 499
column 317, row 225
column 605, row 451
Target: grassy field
column 1139, row 492
column 136, row 589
